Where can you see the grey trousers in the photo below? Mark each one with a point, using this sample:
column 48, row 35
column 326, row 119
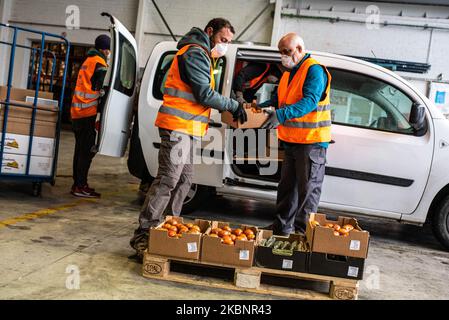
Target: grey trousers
column 173, row 181
column 299, row 189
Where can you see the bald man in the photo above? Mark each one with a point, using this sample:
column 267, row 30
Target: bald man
column 303, row 121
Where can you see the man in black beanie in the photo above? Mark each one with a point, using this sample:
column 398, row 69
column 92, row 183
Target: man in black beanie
column 84, row 110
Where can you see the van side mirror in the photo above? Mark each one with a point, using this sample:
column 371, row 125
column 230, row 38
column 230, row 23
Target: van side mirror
column 418, row 118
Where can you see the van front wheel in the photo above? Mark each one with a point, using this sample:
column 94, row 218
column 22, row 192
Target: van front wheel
column 440, row 223
column 197, row 197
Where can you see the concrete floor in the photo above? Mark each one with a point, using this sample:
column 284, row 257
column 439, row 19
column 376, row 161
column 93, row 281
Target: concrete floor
column 48, row 237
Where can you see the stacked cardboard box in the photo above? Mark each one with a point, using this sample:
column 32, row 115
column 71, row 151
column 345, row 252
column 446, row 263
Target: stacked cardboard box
column 340, row 256
column 18, row 130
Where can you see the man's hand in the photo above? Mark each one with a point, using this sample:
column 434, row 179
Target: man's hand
column 240, row 114
column 272, row 121
column 239, row 97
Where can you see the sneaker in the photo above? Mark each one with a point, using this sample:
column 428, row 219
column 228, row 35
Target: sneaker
column 89, row 189
column 84, row 193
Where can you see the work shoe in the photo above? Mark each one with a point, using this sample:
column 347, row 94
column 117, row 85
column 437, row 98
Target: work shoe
column 275, row 230
column 139, row 243
column 83, row 192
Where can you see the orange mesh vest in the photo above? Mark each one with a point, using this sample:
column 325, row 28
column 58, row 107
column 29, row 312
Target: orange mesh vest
column 180, row 111
column 256, row 82
column 314, row 127
column 85, row 100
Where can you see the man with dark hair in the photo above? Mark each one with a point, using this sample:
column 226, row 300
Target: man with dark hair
column 84, row 113
column 189, row 95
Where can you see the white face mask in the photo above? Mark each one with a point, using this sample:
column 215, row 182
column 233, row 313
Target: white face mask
column 219, row 50
column 287, row 61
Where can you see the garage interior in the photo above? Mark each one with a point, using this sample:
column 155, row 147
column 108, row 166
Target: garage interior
column 46, row 240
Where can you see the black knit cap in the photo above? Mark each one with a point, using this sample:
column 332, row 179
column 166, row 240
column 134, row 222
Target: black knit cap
column 103, row 42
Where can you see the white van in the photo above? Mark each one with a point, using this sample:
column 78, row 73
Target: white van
column 389, row 159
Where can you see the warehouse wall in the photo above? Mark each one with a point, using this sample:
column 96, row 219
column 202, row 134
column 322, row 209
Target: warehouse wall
column 182, row 15
column 415, row 44
column 51, row 16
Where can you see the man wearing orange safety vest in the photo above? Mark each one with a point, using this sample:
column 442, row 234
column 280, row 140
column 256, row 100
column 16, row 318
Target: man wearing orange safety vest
column 251, row 78
column 303, row 122
column 85, row 102
column 189, row 95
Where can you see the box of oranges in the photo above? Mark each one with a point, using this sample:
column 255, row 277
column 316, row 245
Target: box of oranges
column 342, row 237
column 176, row 238
column 226, row 245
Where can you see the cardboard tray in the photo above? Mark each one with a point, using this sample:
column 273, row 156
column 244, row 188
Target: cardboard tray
column 241, row 254
column 322, row 239
column 187, row 247
column 268, row 258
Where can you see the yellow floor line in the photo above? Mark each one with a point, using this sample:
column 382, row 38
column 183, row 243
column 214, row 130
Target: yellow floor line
column 45, row 212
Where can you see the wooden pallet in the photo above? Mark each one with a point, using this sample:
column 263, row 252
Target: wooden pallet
column 249, row 279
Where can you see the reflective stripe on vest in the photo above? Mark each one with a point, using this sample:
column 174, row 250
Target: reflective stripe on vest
column 180, row 110
column 85, row 105
column 87, row 95
column 314, row 127
column 258, row 80
column 85, row 100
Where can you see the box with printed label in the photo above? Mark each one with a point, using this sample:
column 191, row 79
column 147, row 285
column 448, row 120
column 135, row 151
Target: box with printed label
column 256, row 118
column 282, row 253
column 183, row 245
column 336, row 266
column 341, row 237
column 16, row 164
column 18, row 144
column 238, row 252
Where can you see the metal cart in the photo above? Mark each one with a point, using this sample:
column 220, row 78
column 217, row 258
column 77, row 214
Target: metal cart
column 7, row 104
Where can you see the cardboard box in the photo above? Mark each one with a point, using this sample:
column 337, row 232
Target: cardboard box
column 255, row 120
column 187, row 247
column 277, row 259
column 241, row 254
column 323, row 240
column 21, row 94
column 336, row 266
column 18, row 144
column 22, row 126
column 24, row 110
column 16, row 164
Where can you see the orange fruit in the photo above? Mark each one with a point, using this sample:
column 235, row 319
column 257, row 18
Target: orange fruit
column 247, row 232
column 343, row 231
column 348, row 227
column 336, row 233
column 329, row 225
column 167, row 226
column 215, row 230
column 233, row 237
column 173, row 228
column 196, row 227
column 337, row 227
column 213, row 235
column 251, row 236
column 228, row 242
column 172, row 234
column 237, row 232
column 227, row 239
column 242, row 237
column 227, row 228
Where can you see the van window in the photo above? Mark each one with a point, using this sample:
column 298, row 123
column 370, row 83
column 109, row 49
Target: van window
column 127, row 68
column 165, row 64
column 362, row 101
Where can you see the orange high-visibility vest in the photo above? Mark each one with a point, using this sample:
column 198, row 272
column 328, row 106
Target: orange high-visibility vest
column 314, row 127
column 180, row 111
column 256, row 82
column 85, row 100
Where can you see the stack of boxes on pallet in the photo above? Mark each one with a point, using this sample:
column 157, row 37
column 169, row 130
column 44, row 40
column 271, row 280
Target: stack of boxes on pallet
column 18, row 132
column 321, row 251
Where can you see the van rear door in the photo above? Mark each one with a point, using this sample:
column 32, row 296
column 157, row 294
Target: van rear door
column 119, row 84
